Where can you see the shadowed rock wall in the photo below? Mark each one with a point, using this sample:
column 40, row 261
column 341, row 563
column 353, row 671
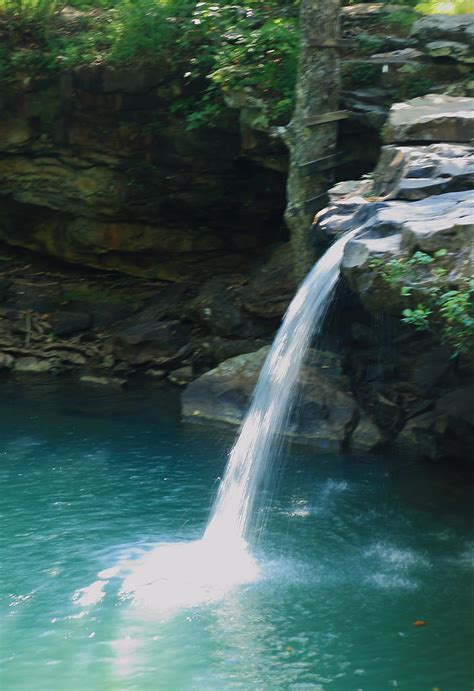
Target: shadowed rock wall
column 96, row 169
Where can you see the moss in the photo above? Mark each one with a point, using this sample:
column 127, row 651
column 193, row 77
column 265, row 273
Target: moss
column 98, row 296
column 357, row 73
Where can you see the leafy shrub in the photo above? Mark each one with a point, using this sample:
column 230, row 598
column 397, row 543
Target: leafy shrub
column 143, row 30
column 401, row 20
column 367, row 44
column 233, row 48
column 29, row 10
column 357, row 73
column 214, row 48
column 444, row 6
column 443, row 308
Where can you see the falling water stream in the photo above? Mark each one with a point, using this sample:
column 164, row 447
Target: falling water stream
column 271, row 404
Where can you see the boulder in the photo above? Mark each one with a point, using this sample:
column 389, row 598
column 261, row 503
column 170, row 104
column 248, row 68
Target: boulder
column 34, row 365
column 443, row 222
column 67, row 323
column 444, row 27
column 66, row 357
column 418, row 435
column 271, row 286
column 366, row 435
column 159, row 343
column 410, row 172
column 431, row 118
column 181, row 376
column 222, row 394
column 350, row 188
column 402, row 55
column 6, row 361
column 445, row 432
column 450, row 49
column 366, row 15
column 209, row 351
column 325, row 415
column 219, row 307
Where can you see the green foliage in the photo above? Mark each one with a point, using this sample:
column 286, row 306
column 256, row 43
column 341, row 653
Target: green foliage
column 358, row 73
column 142, row 31
column 443, row 308
column 408, row 3
column 401, row 20
column 231, row 49
column 215, row 48
column 444, row 6
column 29, row 10
column 431, row 6
column 368, row 44
column 415, row 82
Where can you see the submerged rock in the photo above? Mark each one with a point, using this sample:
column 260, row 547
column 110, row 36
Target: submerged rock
column 181, row 376
column 34, row 365
column 6, row 361
column 100, row 380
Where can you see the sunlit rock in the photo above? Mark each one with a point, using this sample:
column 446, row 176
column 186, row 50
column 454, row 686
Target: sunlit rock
column 431, row 118
column 444, row 27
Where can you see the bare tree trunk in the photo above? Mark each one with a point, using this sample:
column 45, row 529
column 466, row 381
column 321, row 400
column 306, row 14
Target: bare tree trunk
column 317, row 93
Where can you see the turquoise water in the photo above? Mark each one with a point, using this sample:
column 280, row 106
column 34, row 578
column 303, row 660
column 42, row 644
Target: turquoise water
column 355, row 549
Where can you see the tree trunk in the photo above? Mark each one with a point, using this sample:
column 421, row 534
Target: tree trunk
column 317, row 93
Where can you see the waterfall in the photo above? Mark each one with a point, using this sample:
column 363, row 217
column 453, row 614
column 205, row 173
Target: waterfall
column 271, row 404
column 185, row 574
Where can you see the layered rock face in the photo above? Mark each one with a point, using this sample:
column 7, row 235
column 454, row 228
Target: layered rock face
column 384, row 63
column 420, row 199
column 95, row 169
